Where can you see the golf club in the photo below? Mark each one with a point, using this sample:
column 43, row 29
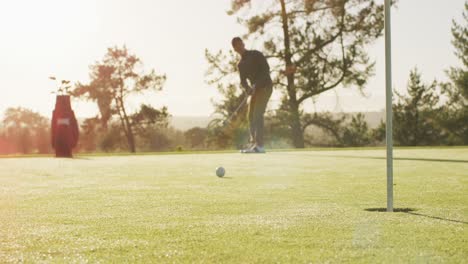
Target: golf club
column 234, row 114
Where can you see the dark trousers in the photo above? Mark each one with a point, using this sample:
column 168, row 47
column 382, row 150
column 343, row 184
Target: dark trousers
column 257, row 107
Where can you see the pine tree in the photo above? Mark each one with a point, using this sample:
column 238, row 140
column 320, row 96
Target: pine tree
column 454, row 117
column 414, row 115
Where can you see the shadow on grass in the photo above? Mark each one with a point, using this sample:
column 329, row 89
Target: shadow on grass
column 396, row 210
column 411, row 211
column 81, row 158
column 72, row 158
column 412, row 159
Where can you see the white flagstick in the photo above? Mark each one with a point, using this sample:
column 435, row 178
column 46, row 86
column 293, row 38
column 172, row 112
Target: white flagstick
column 388, row 77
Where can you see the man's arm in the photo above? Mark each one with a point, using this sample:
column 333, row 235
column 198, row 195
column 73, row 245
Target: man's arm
column 243, row 80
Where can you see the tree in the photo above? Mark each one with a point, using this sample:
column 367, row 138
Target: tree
column 158, row 140
column 324, row 121
column 111, row 139
column 149, row 116
column 175, row 139
column 356, row 133
column 29, row 130
column 415, row 115
column 42, row 138
column 89, row 134
column 148, row 123
column 454, row 115
column 196, row 137
column 112, row 80
column 459, row 76
column 309, row 57
column 378, row 134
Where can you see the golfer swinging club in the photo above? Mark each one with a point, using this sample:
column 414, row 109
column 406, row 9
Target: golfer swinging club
column 254, row 67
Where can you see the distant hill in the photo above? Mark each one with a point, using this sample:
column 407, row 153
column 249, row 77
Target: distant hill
column 186, row 122
column 372, row 118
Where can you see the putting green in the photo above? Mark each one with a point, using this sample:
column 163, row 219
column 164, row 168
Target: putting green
column 295, row 206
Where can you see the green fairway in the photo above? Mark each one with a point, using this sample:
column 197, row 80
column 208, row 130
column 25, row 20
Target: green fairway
column 295, row 206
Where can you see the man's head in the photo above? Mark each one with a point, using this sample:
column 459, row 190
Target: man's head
column 238, row 45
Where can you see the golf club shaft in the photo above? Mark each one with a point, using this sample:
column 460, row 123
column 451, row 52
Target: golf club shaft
column 237, row 109
column 241, row 105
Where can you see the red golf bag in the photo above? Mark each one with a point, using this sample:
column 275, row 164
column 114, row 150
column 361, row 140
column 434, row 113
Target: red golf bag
column 64, row 127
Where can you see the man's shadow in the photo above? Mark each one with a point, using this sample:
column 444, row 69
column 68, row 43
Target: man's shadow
column 411, row 211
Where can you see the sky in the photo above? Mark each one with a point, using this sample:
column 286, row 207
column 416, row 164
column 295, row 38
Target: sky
column 62, row 38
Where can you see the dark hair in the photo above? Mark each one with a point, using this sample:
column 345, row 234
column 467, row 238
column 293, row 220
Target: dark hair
column 234, row 40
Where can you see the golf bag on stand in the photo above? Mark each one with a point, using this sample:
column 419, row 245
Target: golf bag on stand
column 64, row 127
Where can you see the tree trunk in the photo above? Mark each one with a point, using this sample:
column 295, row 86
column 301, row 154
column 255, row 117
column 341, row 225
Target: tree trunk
column 296, row 128
column 126, row 125
column 130, row 136
column 297, row 135
column 129, row 129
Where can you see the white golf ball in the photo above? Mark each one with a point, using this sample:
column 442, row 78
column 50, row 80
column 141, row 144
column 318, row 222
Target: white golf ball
column 220, row 171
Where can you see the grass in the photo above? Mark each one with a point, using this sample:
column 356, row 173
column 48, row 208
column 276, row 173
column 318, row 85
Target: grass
column 305, row 206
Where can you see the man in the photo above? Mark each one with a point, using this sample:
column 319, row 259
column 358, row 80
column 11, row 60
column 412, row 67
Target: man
column 254, row 69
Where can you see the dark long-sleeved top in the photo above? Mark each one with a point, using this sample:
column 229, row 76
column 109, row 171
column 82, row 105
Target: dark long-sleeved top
column 254, row 67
